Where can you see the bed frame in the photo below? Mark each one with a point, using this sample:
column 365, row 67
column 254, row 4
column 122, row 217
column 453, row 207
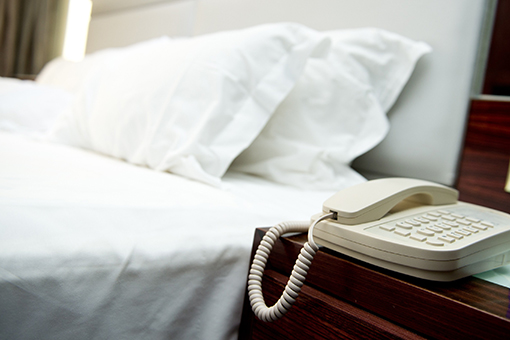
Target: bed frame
column 428, row 120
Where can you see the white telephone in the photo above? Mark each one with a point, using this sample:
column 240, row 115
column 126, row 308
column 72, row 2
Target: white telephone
column 406, row 225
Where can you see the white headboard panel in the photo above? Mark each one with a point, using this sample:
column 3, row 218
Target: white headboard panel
column 427, row 122
column 118, row 24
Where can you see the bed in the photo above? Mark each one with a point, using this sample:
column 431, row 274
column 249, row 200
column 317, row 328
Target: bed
column 131, row 182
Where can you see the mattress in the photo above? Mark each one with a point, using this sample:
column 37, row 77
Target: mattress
column 93, row 247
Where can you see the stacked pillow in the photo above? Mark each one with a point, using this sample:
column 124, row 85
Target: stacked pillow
column 187, row 106
column 278, row 97
column 336, row 112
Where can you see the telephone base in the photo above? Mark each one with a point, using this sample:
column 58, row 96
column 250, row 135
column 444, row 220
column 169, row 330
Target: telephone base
column 444, row 276
column 440, row 243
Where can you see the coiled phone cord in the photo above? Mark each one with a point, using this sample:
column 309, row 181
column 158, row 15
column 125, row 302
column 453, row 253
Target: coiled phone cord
column 297, row 277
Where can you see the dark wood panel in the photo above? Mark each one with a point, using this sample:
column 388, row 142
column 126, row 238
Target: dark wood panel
column 482, row 179
column 485, row 159
column 497, row 76
column 466, row 308
column 316, row 316
column 489, row 126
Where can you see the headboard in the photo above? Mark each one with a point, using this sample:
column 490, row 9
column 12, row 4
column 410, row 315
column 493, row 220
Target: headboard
column 428, row 120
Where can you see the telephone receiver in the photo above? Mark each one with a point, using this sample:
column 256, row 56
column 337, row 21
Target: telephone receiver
column 409, row 226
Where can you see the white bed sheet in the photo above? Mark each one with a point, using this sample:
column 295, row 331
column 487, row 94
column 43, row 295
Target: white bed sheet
column 94, row 248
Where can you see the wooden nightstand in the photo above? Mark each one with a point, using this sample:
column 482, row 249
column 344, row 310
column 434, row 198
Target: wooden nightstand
column 345, row 298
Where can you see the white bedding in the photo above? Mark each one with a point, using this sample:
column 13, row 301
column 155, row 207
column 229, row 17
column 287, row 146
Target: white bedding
column 93, row 247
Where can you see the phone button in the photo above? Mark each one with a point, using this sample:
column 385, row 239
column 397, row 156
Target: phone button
column 451, row 224
column 414, row 223
column 404, row 225
column 418, row 238
column 463, row 232
column 479, row 226
column 429, row 217
column 425, row 232
column 387, row 227
column 455, row 235
column 421, row 220
column 442, row 226
column 471, row 230
column 435, row 229
column 435, row 243
column 464, row 222
column 402, row 233
column 449, row 218
column 447, row 239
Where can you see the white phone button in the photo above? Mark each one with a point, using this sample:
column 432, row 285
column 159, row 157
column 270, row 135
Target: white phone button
column 443, row 212
column 479, row 226
column 471, row 230
column 435, row 214
column 421, row 220
column 471, row 219
column 488, row 224
column 404, row 225
column 463, row 232
column 463, row 222
column 418, row 238
column 455, row 235
column 402, row 233
column 435, row 229
column 435, row 243
column 449, row 218
column 387, row 227
column 447, row 239
column 430, row 217
column 425, row 232
column 442, row 226
column 414, row 223
column 451, row 224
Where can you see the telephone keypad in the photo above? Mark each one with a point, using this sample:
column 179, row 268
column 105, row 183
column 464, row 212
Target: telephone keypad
column 437, row 228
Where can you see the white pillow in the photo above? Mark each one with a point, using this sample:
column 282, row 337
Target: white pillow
column 188, row 106
column 30, row 108
column 335, row 113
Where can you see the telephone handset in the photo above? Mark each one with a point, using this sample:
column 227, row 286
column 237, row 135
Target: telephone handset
column 406, row 225
column 373, row 199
